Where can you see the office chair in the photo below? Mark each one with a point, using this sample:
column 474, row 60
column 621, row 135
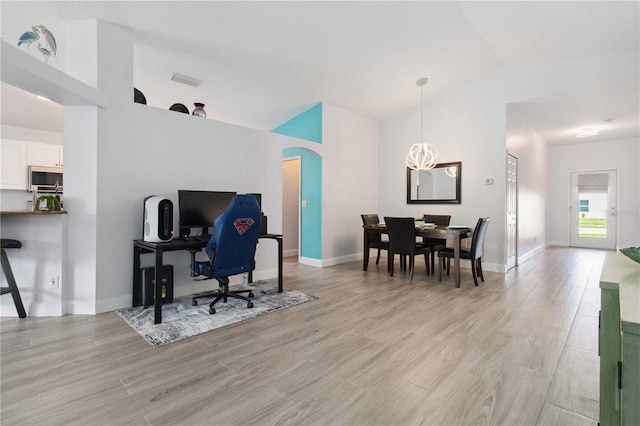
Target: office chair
column 231, row 249
column 474, row 254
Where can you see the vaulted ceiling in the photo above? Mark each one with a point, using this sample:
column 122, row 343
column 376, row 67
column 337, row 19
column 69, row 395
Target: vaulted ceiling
column 263, row 62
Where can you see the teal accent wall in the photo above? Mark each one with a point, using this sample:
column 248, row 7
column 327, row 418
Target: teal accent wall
column 311, row 191
column 307, row 125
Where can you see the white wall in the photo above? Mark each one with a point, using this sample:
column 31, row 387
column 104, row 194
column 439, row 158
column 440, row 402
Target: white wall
column 140, row 150
column 123, row 153
column 31, row 135
column 38, row 261
column 533, row 175
column 81, row 136
column 621, row 155
column 349, row 181
column 116, row 156
column 467, row 126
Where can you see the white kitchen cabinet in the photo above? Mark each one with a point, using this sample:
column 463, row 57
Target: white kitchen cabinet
column 13, row 171
column 44, row 154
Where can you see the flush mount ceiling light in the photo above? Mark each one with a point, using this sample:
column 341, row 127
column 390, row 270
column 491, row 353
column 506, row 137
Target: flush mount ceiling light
column 191, row 81
column 586, row 132
column 421, row 156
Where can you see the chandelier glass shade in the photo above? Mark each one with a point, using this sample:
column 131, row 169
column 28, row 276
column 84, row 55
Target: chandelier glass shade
column 422, row 156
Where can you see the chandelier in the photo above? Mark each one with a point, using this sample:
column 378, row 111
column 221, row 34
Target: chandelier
column 422, row 156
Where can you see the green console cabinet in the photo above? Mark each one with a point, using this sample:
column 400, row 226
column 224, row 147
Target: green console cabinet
column 619, row 342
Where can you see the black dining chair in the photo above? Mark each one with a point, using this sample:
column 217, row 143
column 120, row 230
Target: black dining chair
column 402, row 241
column 474, row 254
column 436, row 244
column 375, row 240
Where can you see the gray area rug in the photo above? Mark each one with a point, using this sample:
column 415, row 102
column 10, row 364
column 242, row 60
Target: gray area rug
column 181, row 320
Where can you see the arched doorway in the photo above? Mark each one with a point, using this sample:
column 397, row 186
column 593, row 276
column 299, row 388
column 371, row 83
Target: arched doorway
column 309, row 203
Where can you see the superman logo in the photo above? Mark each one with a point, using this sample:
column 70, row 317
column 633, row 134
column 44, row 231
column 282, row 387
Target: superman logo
column 242, row 224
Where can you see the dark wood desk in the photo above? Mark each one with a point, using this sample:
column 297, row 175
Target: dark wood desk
column 191, row 245
column 454, row 235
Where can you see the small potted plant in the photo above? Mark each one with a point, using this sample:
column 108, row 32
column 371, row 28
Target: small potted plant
column 47, row 202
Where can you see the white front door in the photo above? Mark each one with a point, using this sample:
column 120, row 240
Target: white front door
column 593, row 209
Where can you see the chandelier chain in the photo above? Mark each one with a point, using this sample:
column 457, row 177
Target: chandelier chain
column 421, row 113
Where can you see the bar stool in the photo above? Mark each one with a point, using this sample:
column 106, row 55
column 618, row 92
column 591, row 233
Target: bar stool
column 7, row 243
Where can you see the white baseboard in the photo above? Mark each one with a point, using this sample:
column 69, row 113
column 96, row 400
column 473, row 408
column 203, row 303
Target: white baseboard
column 532, row 253
column 311, row 262
column 289, row 253
column 111, row 304
column 81, row 308
column 493, row 267
column 323, row 263
column 341, row 259
column 33, row 310
column 558, row 243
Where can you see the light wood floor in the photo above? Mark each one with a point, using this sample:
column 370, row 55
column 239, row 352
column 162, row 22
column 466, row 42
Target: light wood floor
column 521, row 349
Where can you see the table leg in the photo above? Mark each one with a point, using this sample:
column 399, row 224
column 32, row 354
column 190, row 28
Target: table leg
column 279, row 240
column 158, row 288
column 365, row 259
column 457, row 242
column 137, row 284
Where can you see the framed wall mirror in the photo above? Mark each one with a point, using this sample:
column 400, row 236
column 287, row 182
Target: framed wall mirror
column 440, row 185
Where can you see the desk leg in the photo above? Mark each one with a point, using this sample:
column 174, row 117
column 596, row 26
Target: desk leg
column 279, row 240
column 136, row 276
column 365, row 259
column 158, row 288
column 457, row 242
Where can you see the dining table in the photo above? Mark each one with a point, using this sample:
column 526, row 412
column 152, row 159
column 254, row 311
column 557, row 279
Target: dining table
column 455, row 234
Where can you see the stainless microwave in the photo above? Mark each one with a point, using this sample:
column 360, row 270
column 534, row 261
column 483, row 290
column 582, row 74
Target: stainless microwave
column 45, row 177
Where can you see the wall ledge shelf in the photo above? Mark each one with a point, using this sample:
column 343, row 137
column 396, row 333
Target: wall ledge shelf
column 25, row 72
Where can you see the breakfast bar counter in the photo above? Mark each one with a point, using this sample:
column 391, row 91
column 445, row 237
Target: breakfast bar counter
column 31, row 212
column 39, row 265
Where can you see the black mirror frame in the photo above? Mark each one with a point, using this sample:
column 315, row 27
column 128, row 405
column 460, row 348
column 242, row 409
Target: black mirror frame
column 456, row 200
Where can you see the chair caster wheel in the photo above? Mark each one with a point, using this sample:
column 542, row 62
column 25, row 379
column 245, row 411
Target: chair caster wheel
column 212, row 311
column 194, row 303
column 250, row 305
column 250, row 294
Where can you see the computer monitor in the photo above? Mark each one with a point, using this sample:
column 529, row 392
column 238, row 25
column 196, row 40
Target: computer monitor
column 259, row 199
column 198, row 209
